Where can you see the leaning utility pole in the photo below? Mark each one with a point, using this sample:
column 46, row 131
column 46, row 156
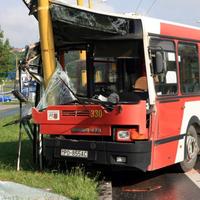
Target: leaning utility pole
column 46, row 40
column 80, row 2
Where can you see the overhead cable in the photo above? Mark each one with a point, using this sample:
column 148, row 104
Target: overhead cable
column 151, row 6
column 138, row 6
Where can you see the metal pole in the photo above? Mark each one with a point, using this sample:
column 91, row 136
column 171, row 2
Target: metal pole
column 17, row 69
column 90, row 4
column 19, row 144
column 47, row 51
column 20, row 128
column 46, row 40
column 82, row 53
column 80, row 2
column 40, row 151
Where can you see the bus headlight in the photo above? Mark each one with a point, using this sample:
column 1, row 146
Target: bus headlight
column 129, row 134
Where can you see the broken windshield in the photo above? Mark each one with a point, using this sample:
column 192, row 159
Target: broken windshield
column 109, row 69
column 102, row 77
column 56, row 92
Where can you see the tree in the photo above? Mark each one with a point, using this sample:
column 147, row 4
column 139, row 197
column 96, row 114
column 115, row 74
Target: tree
column 6, row 57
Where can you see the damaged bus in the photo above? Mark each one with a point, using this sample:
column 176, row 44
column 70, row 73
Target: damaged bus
column 132, row 102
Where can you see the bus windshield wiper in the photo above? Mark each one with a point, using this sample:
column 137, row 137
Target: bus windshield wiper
column 109, row 106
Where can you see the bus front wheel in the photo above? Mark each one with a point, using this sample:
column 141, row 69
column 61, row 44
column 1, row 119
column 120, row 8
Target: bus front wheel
column 191, row 149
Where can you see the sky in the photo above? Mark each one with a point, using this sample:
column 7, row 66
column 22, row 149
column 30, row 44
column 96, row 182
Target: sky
column 22, row 29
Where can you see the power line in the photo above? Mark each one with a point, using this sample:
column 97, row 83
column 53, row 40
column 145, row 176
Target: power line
column 151, row 6
column 138, row 6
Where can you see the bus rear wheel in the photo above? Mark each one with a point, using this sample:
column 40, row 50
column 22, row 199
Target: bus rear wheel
column 191, row 150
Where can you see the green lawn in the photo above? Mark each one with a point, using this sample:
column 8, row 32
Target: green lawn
column 75, row 185
column 16, row 102
column 8, row 85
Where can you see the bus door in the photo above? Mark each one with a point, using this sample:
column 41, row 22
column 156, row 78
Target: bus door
column 168, row 105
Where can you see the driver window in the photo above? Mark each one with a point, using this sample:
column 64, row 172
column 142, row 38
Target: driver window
column 133, row 69
column 165, row 82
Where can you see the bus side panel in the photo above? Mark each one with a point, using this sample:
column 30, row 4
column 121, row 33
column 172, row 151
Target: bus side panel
column 170, row 148
column 166, row 137
column 164, row 154
column 170, row 115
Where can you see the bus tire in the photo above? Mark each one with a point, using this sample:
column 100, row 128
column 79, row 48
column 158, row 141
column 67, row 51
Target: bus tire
column 191, row 150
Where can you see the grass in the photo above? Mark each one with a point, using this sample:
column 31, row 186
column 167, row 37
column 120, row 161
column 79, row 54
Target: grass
column 75, row 184
column 15, row 102
column 8, row 86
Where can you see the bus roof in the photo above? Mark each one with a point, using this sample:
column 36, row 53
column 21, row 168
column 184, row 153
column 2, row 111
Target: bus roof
column 170, row 29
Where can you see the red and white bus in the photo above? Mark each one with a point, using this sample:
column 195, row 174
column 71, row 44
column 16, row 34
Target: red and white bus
column 137, row 94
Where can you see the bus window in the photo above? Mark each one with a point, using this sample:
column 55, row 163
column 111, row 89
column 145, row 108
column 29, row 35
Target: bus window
column 120, row 75
column 76, row 70
column 189, row 68
column 165, row 82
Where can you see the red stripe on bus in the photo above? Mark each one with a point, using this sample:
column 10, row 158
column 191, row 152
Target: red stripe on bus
column 178, row 31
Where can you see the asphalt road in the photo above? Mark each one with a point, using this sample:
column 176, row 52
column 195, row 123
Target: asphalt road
column 8, row 110
column 165, row 184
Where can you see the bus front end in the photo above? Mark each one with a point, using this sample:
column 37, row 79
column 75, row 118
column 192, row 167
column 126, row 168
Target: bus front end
column 91, row 134
column 97, row 107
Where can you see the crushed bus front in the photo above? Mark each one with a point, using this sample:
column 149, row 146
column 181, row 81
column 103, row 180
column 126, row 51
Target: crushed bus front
column 96, row 109
column 90, row 133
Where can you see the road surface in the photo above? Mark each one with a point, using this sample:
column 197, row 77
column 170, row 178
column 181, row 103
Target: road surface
column 8, row 110
column 165, row 184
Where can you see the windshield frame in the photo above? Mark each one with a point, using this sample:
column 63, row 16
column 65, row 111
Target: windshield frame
column 90, row 61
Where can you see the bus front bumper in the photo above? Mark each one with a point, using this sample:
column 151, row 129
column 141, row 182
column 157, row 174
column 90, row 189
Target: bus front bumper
column 136, row 154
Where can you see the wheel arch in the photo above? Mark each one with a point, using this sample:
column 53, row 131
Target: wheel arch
column 194, row 121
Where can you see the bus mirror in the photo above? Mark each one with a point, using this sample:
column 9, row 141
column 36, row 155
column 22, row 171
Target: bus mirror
column 159, row 68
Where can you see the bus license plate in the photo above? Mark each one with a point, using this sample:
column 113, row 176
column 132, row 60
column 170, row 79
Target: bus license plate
column 74, row 153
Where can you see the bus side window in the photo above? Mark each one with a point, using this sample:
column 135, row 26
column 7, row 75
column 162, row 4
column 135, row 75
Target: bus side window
column 189, row 68
column 166, row 82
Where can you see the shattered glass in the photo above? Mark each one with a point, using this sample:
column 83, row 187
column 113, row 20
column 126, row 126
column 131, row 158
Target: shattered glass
column 30, row 76
column 95, row 21
column 32, row 5
column 27, row 109
column 89, row 20
column 76, row 25
column 31, row 62
column 57, row 91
